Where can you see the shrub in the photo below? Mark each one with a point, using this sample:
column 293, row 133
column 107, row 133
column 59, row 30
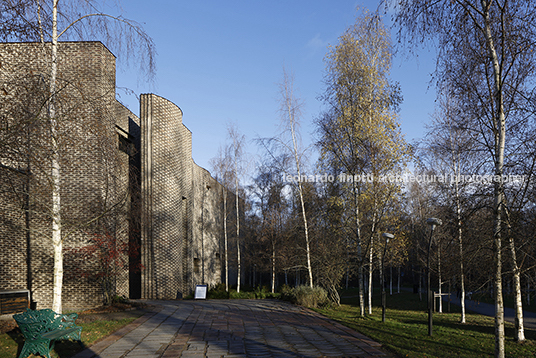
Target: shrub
column 262, row 293
column 286, row 294
column 218, row 292
column 241, row 294
column 306, row 296
column 119, row 299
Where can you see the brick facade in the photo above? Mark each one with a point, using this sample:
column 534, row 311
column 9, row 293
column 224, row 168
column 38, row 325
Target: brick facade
column 135, row 174
column 178, row 206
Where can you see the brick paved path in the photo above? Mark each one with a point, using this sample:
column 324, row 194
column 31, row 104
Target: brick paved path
column 233, row 328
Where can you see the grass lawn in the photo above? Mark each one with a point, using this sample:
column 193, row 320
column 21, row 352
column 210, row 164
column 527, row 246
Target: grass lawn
column 91, row 332
column 405, row 331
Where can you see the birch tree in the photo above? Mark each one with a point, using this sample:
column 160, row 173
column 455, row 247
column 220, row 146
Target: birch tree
column 238, row 165
column 223, row 170
column 331, row 241
column 450, row 151
column 288, row 154
column 51, row 21
column 290, row 115
column 359, row 130
column 268, row 189
column 485, row 54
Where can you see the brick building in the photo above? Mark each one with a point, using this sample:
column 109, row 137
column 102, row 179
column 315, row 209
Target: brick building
column 127, row 178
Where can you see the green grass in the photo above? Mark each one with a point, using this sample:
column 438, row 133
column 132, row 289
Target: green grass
column 405, row 331
column 91, row 332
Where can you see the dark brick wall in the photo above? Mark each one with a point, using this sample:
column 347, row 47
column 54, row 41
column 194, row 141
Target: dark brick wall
column 13, row 270
column 170, row 207
column 208, row 228
column 166, row 176
column 181, row 238
column 93, row 171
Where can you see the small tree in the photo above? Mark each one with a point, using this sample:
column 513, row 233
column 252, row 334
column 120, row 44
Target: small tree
column 103, row 259
column 290, row 116
column 222, row 167
column 450, row 151
column 238, row 167
column 271, row 205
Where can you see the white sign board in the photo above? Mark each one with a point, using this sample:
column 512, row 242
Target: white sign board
column 200, row 292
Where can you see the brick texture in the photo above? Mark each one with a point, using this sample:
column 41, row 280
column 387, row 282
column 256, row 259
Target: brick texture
column 135, row 174
column 178, row 206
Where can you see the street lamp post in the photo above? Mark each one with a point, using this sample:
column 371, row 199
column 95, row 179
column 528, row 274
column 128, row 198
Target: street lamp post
column 386, row 236
column 433, row 222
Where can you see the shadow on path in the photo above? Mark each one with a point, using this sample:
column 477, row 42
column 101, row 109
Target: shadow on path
column 234, row 328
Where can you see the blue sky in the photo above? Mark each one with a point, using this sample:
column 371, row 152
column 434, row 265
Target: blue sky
column 221, row 62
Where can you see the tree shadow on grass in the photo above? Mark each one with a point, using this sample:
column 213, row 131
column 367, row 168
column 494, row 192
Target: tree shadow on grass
column 17, row 336
column 448, row 333
column 68, row 348
column 446, row 321
column 62, row 348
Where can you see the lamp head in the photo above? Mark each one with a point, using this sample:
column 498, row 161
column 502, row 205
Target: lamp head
column 433, row 222
column 388, row 236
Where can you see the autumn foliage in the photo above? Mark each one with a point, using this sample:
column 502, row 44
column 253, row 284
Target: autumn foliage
column 104, row 258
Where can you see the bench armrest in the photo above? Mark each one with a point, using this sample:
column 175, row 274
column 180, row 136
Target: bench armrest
column 31, row 330
column 63, row 321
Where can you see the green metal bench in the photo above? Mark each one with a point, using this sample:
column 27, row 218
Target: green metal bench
column 41, row 328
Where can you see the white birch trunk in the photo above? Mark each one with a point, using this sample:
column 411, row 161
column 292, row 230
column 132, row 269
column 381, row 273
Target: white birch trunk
column 273, row 267
column 499, row 305
column 307, row 247
column 237, row 233
column 460, row 245
column 456, row 170
column 462, row 277
column 55, row 173
column 439, row 276
column 499, row 145
column 300, row 188
column 373, row 230
column 359, row 253
column 520, row 330
column 225, row 239
column 371, row 269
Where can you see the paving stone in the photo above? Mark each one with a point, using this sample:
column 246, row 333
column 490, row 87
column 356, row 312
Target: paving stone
column 111, row 354
column 237, row 351
column 242, row 328
column 191, row 354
